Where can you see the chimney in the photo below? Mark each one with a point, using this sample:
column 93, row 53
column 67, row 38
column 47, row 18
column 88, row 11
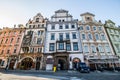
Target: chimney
column 14, row 25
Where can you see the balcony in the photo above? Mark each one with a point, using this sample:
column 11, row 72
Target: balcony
column 63, row 40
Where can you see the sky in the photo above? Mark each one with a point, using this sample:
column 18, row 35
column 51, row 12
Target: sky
column 20, row 11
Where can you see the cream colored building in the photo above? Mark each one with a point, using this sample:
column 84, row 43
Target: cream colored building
column 96, row 47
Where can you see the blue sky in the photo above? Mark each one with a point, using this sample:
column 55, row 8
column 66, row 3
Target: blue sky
column 20, row 11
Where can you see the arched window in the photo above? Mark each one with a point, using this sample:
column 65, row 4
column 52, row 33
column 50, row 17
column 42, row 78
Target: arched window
column 103, row 37
column 93, row 49
column 96, row 36
column 37, row 19
column 87, row 27
column 89, row 36
column 85, row 49
column 94, row 28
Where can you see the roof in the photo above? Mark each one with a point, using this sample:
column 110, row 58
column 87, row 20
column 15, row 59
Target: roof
column 87, row 13
column 61, row 11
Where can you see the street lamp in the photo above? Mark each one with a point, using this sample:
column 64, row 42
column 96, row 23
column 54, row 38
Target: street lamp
column 6, row 68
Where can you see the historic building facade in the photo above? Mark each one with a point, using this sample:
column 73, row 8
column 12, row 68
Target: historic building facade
column 62, row 44
column 97, row 50
column 113, row 33
column 31, row 54
column 10, row 43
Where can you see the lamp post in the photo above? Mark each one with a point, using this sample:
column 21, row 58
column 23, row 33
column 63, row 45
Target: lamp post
column 7, row 66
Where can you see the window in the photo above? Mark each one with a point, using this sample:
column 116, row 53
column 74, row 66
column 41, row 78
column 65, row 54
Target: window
column 31, row 50
column 14, row 32
column 29, row 26
column 93, row 48
column 81, row 27
column 51, row 46
column 61, row 46
column 11, row 40
column 15, row 50
column 107, row 48
column 8, row 51
column 33, row 26
column 38, row 26
column 96, row 36
column 5, row 33
column 18, row 39
column 9, row 33
column 60, row 27
column 100, row 28
column 2, row 51
column 67, row 36
column 61, row 36
column 90, row 36
column 74, row 36
column 43, row 25
column 52, row 27
column 2, row 63
column 85, row 49
column 66, row 27
column 38, row 33
column 37, row 19
column 1, row 41
column 63, row 20
column 73, row 26
column 75, row 46
column 41, row 32
column 68, row 47
column 87, row 27
column 83, row 36
column 20, row 32
column 6, row 41
column 100, row 48
column 39, row 50
column 52, row 36
column 39, row 41
column 94, row 28
column 59, row 20
column 103, row 37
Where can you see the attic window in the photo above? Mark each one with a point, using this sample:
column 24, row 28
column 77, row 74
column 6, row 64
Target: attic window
column 37, row 19
column 88, row 18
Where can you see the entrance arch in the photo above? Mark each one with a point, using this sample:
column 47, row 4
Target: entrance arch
column 62, row 64
column 26, row 64
column 75, row 63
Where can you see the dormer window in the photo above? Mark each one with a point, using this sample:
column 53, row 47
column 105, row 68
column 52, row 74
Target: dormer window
column 37, row 19
column 59, row 20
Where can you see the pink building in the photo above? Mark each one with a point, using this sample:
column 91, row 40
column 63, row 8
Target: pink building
column 10, row 43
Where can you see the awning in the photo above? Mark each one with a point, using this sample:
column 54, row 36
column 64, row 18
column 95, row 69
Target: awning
column 102, row 61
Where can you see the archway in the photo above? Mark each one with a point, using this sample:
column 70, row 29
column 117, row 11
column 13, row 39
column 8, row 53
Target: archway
column 26, row 64
column 75, row 63
column 62, row 65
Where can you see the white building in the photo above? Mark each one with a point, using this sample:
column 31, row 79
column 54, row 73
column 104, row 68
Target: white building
column 62, row 46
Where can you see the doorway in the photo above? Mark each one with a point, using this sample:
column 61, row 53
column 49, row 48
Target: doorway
column 12, row 63
column 62, row 64
column 75, row 63
column 37, row 65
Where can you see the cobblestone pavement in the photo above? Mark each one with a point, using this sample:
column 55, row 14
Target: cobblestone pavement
column 59, row 75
